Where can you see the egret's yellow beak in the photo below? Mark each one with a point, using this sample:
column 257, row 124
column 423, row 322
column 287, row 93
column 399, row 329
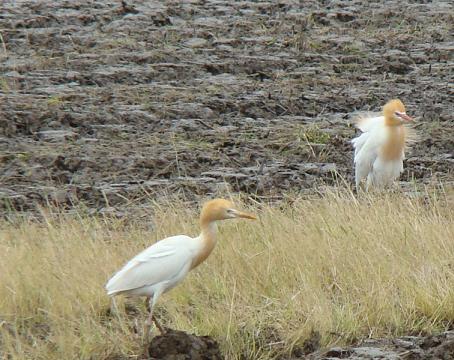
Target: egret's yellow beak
column 245, row 215
column 405, row 117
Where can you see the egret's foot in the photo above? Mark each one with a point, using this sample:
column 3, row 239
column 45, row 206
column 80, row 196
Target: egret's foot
column 146, row 335
column 146, row 339
column 162, row 330
column 146, row 350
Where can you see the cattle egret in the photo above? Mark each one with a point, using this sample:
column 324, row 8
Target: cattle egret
column 380, row 149
column 166, row 263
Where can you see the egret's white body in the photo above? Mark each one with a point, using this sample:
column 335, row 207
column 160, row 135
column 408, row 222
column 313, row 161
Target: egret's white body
column 156, row 269
column 369, row 164
column 380, row 149
column 166, row 263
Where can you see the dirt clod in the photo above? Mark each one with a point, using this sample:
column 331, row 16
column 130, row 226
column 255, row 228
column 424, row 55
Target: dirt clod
column 178, row 345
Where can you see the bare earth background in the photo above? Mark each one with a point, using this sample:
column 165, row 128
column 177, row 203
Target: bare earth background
column 104, row 102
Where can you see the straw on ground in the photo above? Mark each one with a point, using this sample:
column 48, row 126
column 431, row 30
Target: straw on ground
column 346, row 268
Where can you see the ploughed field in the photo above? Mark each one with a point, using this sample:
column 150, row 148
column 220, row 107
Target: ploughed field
column 110, row 103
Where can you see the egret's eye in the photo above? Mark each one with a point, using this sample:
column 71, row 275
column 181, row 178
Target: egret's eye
column 397, row 113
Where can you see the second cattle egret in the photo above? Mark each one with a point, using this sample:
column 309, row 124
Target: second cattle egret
column 166, row 263
column 380, row 149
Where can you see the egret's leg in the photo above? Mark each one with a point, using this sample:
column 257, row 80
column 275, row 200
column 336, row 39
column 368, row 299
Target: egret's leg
column 151, row 302
column 158, row 325
column 149, row 321
column 149, row 305
column 114, row 307
column 369, row 183
column 116, row 312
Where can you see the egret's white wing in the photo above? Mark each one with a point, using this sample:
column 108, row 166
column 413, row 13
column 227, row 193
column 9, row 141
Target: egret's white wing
column 161, row 262
column 367, row 145
column 367, row 126
column 367, row 122
column 359, row 142
column 364, row 157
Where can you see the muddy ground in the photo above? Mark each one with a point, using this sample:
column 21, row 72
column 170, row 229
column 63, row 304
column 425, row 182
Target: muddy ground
column 177, row 345
column 112, row 103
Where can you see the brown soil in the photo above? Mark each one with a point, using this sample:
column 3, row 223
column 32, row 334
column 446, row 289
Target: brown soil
column 178, row 345
column 107, row 102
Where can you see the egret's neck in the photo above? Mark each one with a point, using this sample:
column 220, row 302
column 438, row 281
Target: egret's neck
column 207, row 241
column 394, row 146
column 209, row 230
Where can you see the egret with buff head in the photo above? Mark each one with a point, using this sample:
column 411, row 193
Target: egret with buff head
column 166, row 263
column 380, row 149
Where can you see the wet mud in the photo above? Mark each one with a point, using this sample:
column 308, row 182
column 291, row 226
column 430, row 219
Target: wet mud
column 178, row 345
column 111, row 103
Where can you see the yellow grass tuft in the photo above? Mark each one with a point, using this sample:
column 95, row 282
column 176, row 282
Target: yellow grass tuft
column 342, row 266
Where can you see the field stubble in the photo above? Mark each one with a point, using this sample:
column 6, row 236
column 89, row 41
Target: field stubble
column 338, row 269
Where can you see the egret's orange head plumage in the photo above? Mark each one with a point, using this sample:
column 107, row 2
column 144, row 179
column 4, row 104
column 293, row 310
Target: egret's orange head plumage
column 221, row 209
column 392, row 106
column 394, row 112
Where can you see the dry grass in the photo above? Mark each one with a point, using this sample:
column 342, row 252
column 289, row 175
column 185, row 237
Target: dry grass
column 347, row 268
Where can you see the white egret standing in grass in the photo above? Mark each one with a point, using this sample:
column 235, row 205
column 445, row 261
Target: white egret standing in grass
column 380, row 149
column 166, row 263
